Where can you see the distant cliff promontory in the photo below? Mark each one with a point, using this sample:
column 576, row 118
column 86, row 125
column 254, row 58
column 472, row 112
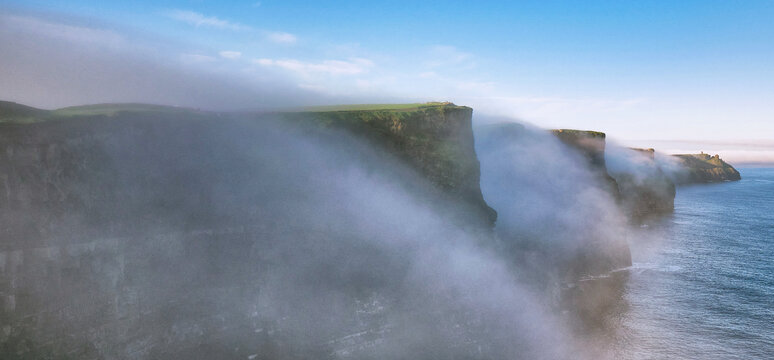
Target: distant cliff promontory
column 644, row 185
column 703, row 168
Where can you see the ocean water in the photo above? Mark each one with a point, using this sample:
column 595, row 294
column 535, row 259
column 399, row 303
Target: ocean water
column 702, row 281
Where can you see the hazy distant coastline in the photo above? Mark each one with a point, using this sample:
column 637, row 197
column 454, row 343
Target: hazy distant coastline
column 753, row 153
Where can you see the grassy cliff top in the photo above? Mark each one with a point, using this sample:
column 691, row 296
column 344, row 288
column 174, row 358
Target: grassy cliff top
column 11, row 112
column 648, row 150
column 703, row 168
column 17, row 113
column 376, row 107
column 703, row 161
column 435, row 138
column 578, row 133
column 113, row 109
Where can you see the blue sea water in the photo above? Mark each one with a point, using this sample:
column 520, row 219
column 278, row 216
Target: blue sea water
column 702, row 281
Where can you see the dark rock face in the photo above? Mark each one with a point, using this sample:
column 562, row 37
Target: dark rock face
column 592, row 146
column 436, row 140
column 156, row 234
column 646, row 191
column 101, row 219
column 549, row 195
column 557, row 213
column 641, row 187
column 703, row 168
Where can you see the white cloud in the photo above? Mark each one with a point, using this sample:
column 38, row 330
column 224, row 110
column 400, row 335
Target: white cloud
column 281, row 37
column 197, row 19
column 201, row 20
column 264, row 62
column 551, row 111
column 197, row 58
column 331, row 67
column 67, row 32
column 230, row 54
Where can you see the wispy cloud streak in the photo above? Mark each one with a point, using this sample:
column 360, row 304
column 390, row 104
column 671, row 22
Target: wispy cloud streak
column 201, row 20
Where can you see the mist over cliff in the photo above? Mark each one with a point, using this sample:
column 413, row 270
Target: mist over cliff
column 140, row 231
column 235, row 237
column 323, row 234
column 549, row 198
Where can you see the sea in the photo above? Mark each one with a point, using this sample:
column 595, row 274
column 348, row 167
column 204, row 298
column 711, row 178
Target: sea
column 702, row 281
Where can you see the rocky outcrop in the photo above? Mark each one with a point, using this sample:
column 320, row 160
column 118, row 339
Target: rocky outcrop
column 558, row 212
column 703, row 168
column 646, row 191
column 548, row 192
column 591, row 145
column 639, row 185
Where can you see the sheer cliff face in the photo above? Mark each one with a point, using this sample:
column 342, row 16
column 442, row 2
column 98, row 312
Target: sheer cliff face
column 646, row 191
column 436, row 140
column 103, row 167
column 703, row 168
column 557, row 215
column 591, row 145
column 634, row 178
column 552, row 199
column 173, row 233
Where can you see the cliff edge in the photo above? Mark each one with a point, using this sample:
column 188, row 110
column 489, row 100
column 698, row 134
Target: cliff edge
column 436, row 139
column 591, row 145
column 646, row 190
column 117, row 216
column 108, row 164
column 703, row 168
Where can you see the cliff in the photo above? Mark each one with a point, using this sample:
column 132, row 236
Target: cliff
column 63, row 167
column 639, row 185
column 645, row 189
column 142, row 231
column 703, row 168
column 591, row 144
column 557, row 211
column 436, row 139
column 546, row 192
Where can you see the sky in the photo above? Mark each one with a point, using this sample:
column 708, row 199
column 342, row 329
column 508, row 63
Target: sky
column 638, row 70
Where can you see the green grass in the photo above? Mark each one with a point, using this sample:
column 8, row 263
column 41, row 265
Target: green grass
column 113, row 109
column 373, row 107
column 16, row 113
column 11, row 112
column 583, row 133
column 702, row 161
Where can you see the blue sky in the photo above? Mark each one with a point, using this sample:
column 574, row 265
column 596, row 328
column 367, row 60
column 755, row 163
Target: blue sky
column 693, row 70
